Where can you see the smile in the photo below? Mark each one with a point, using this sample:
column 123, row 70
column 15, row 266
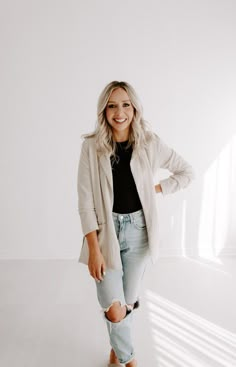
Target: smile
column 120, row 121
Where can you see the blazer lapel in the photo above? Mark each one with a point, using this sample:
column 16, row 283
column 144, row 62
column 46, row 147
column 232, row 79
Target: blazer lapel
column 106, row 167
column 136, row 168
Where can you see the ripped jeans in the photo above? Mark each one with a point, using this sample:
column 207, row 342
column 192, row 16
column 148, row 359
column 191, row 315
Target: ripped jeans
column 123, row 285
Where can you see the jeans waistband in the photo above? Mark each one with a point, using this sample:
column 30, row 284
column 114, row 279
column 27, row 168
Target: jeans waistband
column 127, row 217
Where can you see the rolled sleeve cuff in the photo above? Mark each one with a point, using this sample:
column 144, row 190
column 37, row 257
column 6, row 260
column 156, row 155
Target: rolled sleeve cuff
column 169, row 185
column 175, row 183
column 88, row 221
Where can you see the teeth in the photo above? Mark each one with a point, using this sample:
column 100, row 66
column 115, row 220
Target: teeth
column 120, row 120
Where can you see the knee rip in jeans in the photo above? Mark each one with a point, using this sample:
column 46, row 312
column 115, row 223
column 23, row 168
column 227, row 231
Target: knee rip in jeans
column 116, row 315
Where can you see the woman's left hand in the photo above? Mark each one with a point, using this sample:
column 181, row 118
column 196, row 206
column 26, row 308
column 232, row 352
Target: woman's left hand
column 158, row 188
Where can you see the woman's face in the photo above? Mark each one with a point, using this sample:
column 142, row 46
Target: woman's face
column 119, row 114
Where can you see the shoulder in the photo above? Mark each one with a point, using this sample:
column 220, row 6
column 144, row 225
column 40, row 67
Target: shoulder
column 153, row 141
column 88, row 142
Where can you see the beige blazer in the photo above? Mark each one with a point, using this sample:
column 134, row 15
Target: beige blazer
column 95, row 193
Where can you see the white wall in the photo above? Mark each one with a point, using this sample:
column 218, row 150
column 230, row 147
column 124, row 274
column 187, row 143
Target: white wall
column 56, row 56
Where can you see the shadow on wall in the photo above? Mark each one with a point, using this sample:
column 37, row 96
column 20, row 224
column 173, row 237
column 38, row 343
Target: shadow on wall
column 183, row 339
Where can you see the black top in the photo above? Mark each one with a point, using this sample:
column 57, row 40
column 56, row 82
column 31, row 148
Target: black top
column 126, row 198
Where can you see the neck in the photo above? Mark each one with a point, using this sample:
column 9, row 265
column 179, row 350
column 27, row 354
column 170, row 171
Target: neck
column 120, row 138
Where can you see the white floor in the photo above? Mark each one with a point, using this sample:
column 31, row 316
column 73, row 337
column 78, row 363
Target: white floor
column 49, row 315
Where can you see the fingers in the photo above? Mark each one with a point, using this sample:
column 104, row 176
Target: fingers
column 98, row 273
column 103, row 269
column 96, row 265
column 94, row 274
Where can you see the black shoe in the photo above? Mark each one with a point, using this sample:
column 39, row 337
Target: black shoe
column 136, row 304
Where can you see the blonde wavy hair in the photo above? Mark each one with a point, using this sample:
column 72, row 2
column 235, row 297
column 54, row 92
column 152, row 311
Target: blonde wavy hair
column 139, row 133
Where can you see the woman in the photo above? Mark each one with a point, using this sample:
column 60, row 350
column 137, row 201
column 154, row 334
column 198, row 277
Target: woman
column 116, row 192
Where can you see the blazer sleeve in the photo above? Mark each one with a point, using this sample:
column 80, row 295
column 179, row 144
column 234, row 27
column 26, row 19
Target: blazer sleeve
column 182, row 172
column 86, row 205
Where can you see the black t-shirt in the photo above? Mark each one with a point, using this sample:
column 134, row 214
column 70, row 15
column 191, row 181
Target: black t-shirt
column 126, row 198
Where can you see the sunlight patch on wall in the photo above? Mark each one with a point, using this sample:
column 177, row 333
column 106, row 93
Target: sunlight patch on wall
column 183, row 229
column 218, row 201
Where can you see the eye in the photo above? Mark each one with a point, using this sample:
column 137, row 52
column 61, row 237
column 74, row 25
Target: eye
column 126, row 104
column 111, row 106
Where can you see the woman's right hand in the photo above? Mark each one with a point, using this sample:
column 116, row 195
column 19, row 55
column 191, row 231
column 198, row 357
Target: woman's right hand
column 96, row 264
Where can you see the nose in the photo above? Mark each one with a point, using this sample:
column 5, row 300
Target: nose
column 119, row 111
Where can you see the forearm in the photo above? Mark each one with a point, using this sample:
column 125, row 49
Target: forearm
column 181, row 171
column 92, row 240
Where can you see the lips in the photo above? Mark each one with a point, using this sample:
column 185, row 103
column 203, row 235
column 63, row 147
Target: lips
column 120, row 121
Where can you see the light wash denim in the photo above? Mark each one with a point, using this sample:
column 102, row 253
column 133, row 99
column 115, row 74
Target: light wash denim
column 124, row 285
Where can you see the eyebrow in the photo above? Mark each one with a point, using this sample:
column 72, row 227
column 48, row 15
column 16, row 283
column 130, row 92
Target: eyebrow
column 121, row 101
